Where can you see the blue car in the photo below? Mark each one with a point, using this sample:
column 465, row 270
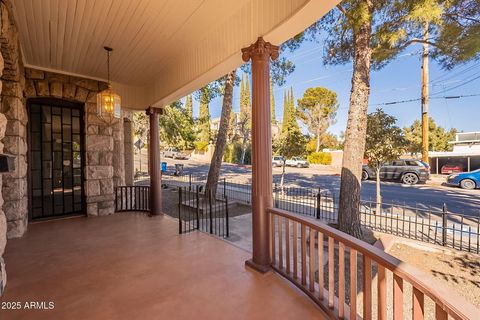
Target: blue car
column 466, row 180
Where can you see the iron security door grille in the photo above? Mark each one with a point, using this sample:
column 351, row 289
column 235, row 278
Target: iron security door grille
column 56, row 159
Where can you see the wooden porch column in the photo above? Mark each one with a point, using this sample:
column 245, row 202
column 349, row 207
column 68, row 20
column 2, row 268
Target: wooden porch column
column 154, row 162
column 260, row 53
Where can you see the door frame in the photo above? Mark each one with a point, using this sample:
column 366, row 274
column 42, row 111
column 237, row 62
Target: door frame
column 56, row 102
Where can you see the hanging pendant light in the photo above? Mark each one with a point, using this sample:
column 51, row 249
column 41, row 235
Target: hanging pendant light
column 108, row 102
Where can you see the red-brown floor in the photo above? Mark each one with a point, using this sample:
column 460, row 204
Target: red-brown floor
column 130, row 266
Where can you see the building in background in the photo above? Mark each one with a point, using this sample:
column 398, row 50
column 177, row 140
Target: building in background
column 465, row 154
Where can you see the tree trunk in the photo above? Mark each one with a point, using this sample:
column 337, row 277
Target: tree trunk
column 244, row 151
column 282, row 178
column 355, row 133
column 378, row 194
column 216, row 163
column 318, row 140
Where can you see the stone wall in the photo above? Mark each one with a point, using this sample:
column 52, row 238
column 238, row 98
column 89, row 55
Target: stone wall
column 11, row 106
column 3, row 218
column 14, row 188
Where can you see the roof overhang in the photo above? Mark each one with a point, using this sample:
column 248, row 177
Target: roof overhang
column 163, row 49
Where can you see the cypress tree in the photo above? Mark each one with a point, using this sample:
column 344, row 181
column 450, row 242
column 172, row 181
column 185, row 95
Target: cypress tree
column 189, row 106
column 272, row 104
column 204, row 117
column 286, row 110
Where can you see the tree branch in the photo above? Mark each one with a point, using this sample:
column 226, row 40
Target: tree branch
column 345, row 13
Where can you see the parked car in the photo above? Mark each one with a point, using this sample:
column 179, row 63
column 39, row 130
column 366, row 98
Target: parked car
column 174, row 153
column 277, row 161
column 407, row 171
column 451, row 168
column 297, row 162
column 465, row 180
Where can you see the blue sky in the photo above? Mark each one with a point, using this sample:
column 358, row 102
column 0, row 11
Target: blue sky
column 399, row 80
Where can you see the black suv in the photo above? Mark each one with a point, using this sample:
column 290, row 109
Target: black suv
column 408, row 171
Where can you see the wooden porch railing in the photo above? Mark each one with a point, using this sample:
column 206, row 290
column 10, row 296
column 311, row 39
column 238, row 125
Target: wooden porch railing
column 350, row 279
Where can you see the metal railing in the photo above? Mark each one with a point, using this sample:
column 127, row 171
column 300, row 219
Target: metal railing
column 317, row 203
column 441, row 227
column 202, row 211
column 338, row 273
column 132, row 198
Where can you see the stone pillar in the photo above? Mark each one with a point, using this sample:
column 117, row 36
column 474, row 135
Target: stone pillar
column 260, row 53
column 119, row 152
column 128, row 146
column 99, row 169
column 154, row 162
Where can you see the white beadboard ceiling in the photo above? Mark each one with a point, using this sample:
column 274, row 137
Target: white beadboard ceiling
column 163, row 49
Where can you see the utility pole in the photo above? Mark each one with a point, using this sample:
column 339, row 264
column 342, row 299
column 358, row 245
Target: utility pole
column 425, row 82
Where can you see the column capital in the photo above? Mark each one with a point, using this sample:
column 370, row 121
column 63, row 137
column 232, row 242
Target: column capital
column 152, row 110
column 260, row 50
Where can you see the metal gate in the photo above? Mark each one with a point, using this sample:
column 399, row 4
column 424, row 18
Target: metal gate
column 56, row 158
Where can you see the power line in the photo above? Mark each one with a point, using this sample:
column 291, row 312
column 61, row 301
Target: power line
column 448, row 76
column 459, row 85
column 418, row 99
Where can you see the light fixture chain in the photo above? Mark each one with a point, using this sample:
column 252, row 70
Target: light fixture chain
column 108, row 67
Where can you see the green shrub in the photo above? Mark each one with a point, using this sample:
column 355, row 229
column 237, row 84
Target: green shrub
column 233, row 153
column 320, row 158
column 201, row 146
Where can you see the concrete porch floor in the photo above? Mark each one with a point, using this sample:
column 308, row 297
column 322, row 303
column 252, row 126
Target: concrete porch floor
column 130, row 266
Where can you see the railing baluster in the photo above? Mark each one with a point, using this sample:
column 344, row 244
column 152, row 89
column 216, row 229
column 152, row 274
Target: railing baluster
column 280, row 242
column 367, row 287
column 353, row 284
column 331, row 275
column 341, row 280
column 417, row 304
column 272, row 233
column 381, row 292
column 320, row 266
column 397, row 298
column 311, row 270
column 287, row 245
column 440, row 314
column 304, row 254
column 295, row 250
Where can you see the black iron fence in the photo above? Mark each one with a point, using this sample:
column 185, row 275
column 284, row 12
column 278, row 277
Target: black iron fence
column 317, row 203
column 199, row 210
column 132, row 198
column 441, row 227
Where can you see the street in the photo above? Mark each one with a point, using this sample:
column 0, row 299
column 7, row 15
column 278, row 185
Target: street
column 422, row 196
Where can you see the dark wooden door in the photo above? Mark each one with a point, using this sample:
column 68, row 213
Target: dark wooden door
column 56, row 159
